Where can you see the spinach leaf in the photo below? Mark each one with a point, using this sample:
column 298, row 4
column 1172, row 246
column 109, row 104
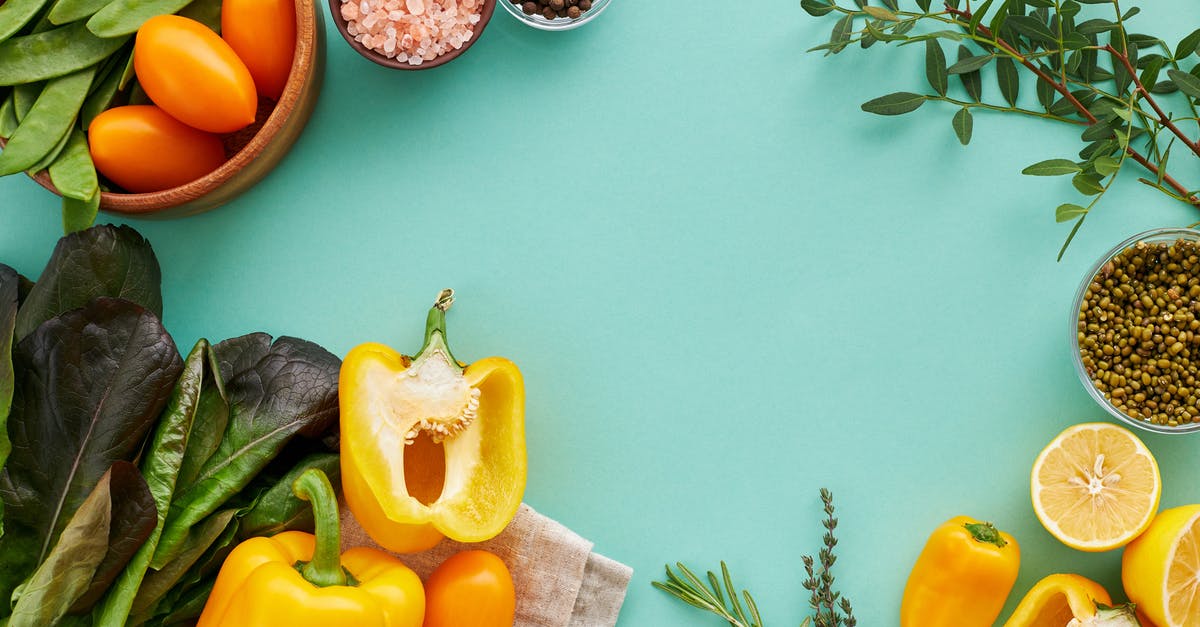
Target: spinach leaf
column 276, row 391
column 278, row 509
column 160, row 466
column 199, row 539
column 100, row 261
column 89, row 384
column 190, row 604
column 101, row 536
column 9, row 288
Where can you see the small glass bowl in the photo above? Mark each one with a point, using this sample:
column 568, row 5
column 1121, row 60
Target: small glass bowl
column 1152, row 236
column 562, row 23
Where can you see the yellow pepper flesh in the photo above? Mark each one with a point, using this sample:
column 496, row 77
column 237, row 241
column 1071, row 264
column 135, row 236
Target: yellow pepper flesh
column 259, row 584
column 430, row 448
column 962, row 576
column 1056, row 600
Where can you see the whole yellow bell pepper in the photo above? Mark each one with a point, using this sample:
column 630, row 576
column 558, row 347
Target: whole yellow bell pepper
column 430, row 447
column 962, row 576
column 296, row 579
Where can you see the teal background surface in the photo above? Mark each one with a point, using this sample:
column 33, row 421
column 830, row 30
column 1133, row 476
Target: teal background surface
column 725, row 284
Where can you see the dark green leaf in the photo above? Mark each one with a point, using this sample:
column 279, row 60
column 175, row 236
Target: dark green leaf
column 977, row 17
column 1045, row 94
column 101, row 261
column 924, row 4
column 816, row 8
column 1087, row 184
column 1186, row 82
column 1152, row 68
column 1009, row 79
column 1097, row 131
column 1075, row 41
column 1070, row 8
column 1107, row 166
column 963, row 124
column 90, row 383
column 999, row 18
column 1067, row 212
column 840, row 36
column 970, row 80
column 894, row 104
column 192, row 546
column 1063, row 106
column 1164, row 87
column 969, row 64
column 1095, row 27
column 1032, row 28
column 190, row 604
column 1120, row 74
column 935, row 66
column 1130, row 13
column 9, row 288
column 267, row 408
column 1052, row 167
column 1041, row 4
column 1187, row 46
column 279, row 510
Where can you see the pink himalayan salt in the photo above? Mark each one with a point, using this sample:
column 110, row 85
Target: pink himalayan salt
column 412, row 31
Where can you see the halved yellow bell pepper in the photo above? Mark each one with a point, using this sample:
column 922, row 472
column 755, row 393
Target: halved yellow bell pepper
column 296, row 579
column 430, row 447
column 1072, row 601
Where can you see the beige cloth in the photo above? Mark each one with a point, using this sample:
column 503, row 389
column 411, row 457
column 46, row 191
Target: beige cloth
column 559, row 581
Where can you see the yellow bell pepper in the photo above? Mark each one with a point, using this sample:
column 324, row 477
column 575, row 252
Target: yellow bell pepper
column 962, row 577
column 1071, row 601
column 431, row 447
column 296, row 579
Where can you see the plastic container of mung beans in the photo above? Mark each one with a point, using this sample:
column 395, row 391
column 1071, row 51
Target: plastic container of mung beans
column 1154, row 236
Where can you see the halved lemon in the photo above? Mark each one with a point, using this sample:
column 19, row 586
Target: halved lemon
column 1161, row 568
column 1095, row 487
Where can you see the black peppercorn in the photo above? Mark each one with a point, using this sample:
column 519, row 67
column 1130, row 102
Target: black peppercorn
column 529, row 8
column 557, row 5
column 574, row 13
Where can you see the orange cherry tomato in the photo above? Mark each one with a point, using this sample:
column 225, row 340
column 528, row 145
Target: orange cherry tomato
column 142, row 149
column 471, row 589
column 263, row 34
column 194, row 75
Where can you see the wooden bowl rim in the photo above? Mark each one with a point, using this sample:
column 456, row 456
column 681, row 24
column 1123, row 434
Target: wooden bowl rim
column 153, row 202
column 485, row 16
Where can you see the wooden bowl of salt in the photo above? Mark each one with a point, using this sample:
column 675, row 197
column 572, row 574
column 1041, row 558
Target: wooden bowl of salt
column 411, row 34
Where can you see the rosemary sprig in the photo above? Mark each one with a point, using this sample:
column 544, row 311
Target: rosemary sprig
column 1088, row 70
column 719, row 596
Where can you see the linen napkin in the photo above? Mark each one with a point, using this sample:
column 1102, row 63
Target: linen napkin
column 559, row 581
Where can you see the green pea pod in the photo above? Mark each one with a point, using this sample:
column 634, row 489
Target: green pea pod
column 23, row 98
column 207, row 12
column 67, row 11
column 73, row 173
column 128, row 74
column 53, row 53
column 124, row 17
column 103, row 92
column 45, row 161
column 51, row 116
column 79, row 214
column 15, row 14
column 8, row 117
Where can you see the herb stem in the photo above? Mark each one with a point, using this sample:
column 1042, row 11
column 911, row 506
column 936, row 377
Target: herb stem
column 992, row 107
column 1163, row 118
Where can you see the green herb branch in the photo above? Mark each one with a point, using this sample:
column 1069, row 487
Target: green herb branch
column 720, row 597
column 1110, row 88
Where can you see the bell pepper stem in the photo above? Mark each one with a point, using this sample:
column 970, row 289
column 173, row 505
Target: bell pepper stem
column 325, row 569
column 986, row 533
column 435, row 329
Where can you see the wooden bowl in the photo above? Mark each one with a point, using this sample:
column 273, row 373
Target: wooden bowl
column 485, row 16
column 255, row 151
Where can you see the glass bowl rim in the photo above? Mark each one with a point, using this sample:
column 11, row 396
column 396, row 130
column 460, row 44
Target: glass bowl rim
column 597, row 8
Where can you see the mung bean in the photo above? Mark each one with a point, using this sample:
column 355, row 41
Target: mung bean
column 79, row 214
column 15, row 14
column 73, row 173
column 53, row 53
column 50, row 118
column 67, row 11
column 123, row 17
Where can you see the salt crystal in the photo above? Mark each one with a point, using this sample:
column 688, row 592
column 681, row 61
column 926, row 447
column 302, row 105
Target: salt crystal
column 411, row 31
column 352, row 28
column 474, row 19
column 389, row 46
column 370, row 21
column 414, row 60
column 364, row 7
column 416, row 7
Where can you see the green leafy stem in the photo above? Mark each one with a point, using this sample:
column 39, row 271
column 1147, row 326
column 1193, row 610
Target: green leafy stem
column 1119, row 107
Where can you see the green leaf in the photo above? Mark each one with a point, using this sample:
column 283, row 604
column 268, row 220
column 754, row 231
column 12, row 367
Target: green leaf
column 1009, row 79
column 1187, row 46
column 279, row 510
column 1067, row 212
column 971, row 81
column 1186, row 82
column 880, row 13
column 999, row 18
column 841, row 34
column 1107, row 166
column 924, row 4
column 10, row 283
column 1045, row 94
column 816, row 8
column 970, row 64
column 1149, row 75
column 1087, row 184
column 894, row 104
column 1095, row 27
column 1097, row 131
column 935, row 67
column 963, row 124
column 1075, row 41
column 1052, row 167
column 192, row 547
column 1032, row 28
column 977, row 17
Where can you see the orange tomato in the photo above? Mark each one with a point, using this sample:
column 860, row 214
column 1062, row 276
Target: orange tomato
column 142, row 149
column 471, row 589
column 263, row 34
column 194, row 75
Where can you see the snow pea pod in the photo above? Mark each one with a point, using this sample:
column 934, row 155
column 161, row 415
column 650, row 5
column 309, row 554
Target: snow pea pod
column 67, row 11
column 51, row 116
column 103, row 92
column 45, row 161
column 79, row 214
column 53, row 53
column 123, row 17
column 207, row 12
column 23, row 98
column 8, row 117
column 73, row 173
column 15, row 14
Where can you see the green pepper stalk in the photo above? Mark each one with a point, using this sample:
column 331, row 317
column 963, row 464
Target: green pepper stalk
column 325, row 569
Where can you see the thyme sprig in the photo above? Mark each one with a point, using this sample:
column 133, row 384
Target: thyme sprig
column 1091, row 73
column 719, row 596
